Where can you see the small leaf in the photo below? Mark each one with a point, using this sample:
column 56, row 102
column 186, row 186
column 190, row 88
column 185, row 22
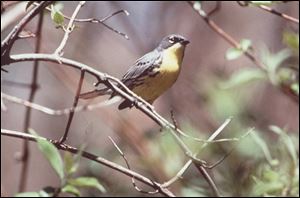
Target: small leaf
column 197, row 5
column 87, row 182
column 56, row 15
column 28, row 194
column 58, row 18
column 51, row 153
column 233, row 53
column 71, row 189
column 295, row 88
column 47, row 191
column 287, row 141
column 69, row 163
column 263, row 145
column 291, row 40
column 245, row 44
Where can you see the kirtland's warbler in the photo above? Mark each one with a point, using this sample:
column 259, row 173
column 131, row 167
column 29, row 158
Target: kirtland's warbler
column 153, row 73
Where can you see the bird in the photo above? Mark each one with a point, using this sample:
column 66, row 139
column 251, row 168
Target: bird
column 152, row 74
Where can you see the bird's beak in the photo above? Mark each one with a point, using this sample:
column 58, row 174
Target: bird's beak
column 185, row 42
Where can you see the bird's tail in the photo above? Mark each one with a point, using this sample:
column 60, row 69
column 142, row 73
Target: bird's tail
column 95, row 93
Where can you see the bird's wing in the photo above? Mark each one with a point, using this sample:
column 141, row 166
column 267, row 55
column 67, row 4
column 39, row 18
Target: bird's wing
column 143, row 66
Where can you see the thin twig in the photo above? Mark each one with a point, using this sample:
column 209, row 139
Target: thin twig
column 100, row 21
column 76, row 98
column 189, row 162
column 285, row 16
column 24, row 157
column 128, row 166
column 119, row 88
column 48, row 110
column 177, row 176
column 9, row 40
column 90, row 156
column 68, row 30
column 226, row 36
column 271, row 10
column 249, row 54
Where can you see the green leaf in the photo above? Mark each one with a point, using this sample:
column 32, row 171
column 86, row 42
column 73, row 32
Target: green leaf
column 245, row 44
column 287, row 141
column 69, row 163
column 291, row 39
column 233, row 53
column 197, row 5
column 72, row 161
column 295, row 88
column 71, row 189
column 273, row 61
column 269, row 187
column 47, row 191
column 28, row 194
column 190, row 192
column 56, row 15
column 51, row 153
column 87, row 182
column 244, row 76
column 57, row 18
column 263, row 145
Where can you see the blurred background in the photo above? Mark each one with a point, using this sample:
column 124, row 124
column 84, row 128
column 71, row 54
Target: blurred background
column 209, row 90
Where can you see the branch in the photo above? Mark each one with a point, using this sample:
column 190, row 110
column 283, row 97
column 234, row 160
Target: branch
column 119, row 88
column 7, row 43
column 48, row 110
column 68, row 30
column 132, row 179
column 271, row 10
column 92, row 157
column 100, row 21
column 64, row 137
column 200, row 167
column 24, row 157
column 236, row 44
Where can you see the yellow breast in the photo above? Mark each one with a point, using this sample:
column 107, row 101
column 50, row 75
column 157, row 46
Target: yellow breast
column 169, row 70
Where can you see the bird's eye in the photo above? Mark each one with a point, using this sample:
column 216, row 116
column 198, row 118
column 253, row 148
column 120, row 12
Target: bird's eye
column 171, row 40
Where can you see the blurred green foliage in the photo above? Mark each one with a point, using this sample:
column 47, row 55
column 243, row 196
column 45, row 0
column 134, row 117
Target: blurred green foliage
column 65, row 169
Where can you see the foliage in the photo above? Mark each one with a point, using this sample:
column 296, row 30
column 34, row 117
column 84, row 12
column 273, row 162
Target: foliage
column 65, row 169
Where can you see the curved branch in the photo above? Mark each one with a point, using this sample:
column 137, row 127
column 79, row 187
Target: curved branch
column 127, row 94
column 92, row 157
column 7, row 43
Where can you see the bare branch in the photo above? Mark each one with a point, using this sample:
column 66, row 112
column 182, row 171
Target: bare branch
column 249, row 54
column 128, row 166
column 24, row 156
column 285, row 16
column 7, row 43
column 89, row 156
column 271, row 10
column 68, row 30
column 64, row 137
column 119, row 88
column 48, row 110
column 100, row 21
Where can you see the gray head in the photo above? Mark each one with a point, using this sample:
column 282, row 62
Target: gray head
column 171, row 40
